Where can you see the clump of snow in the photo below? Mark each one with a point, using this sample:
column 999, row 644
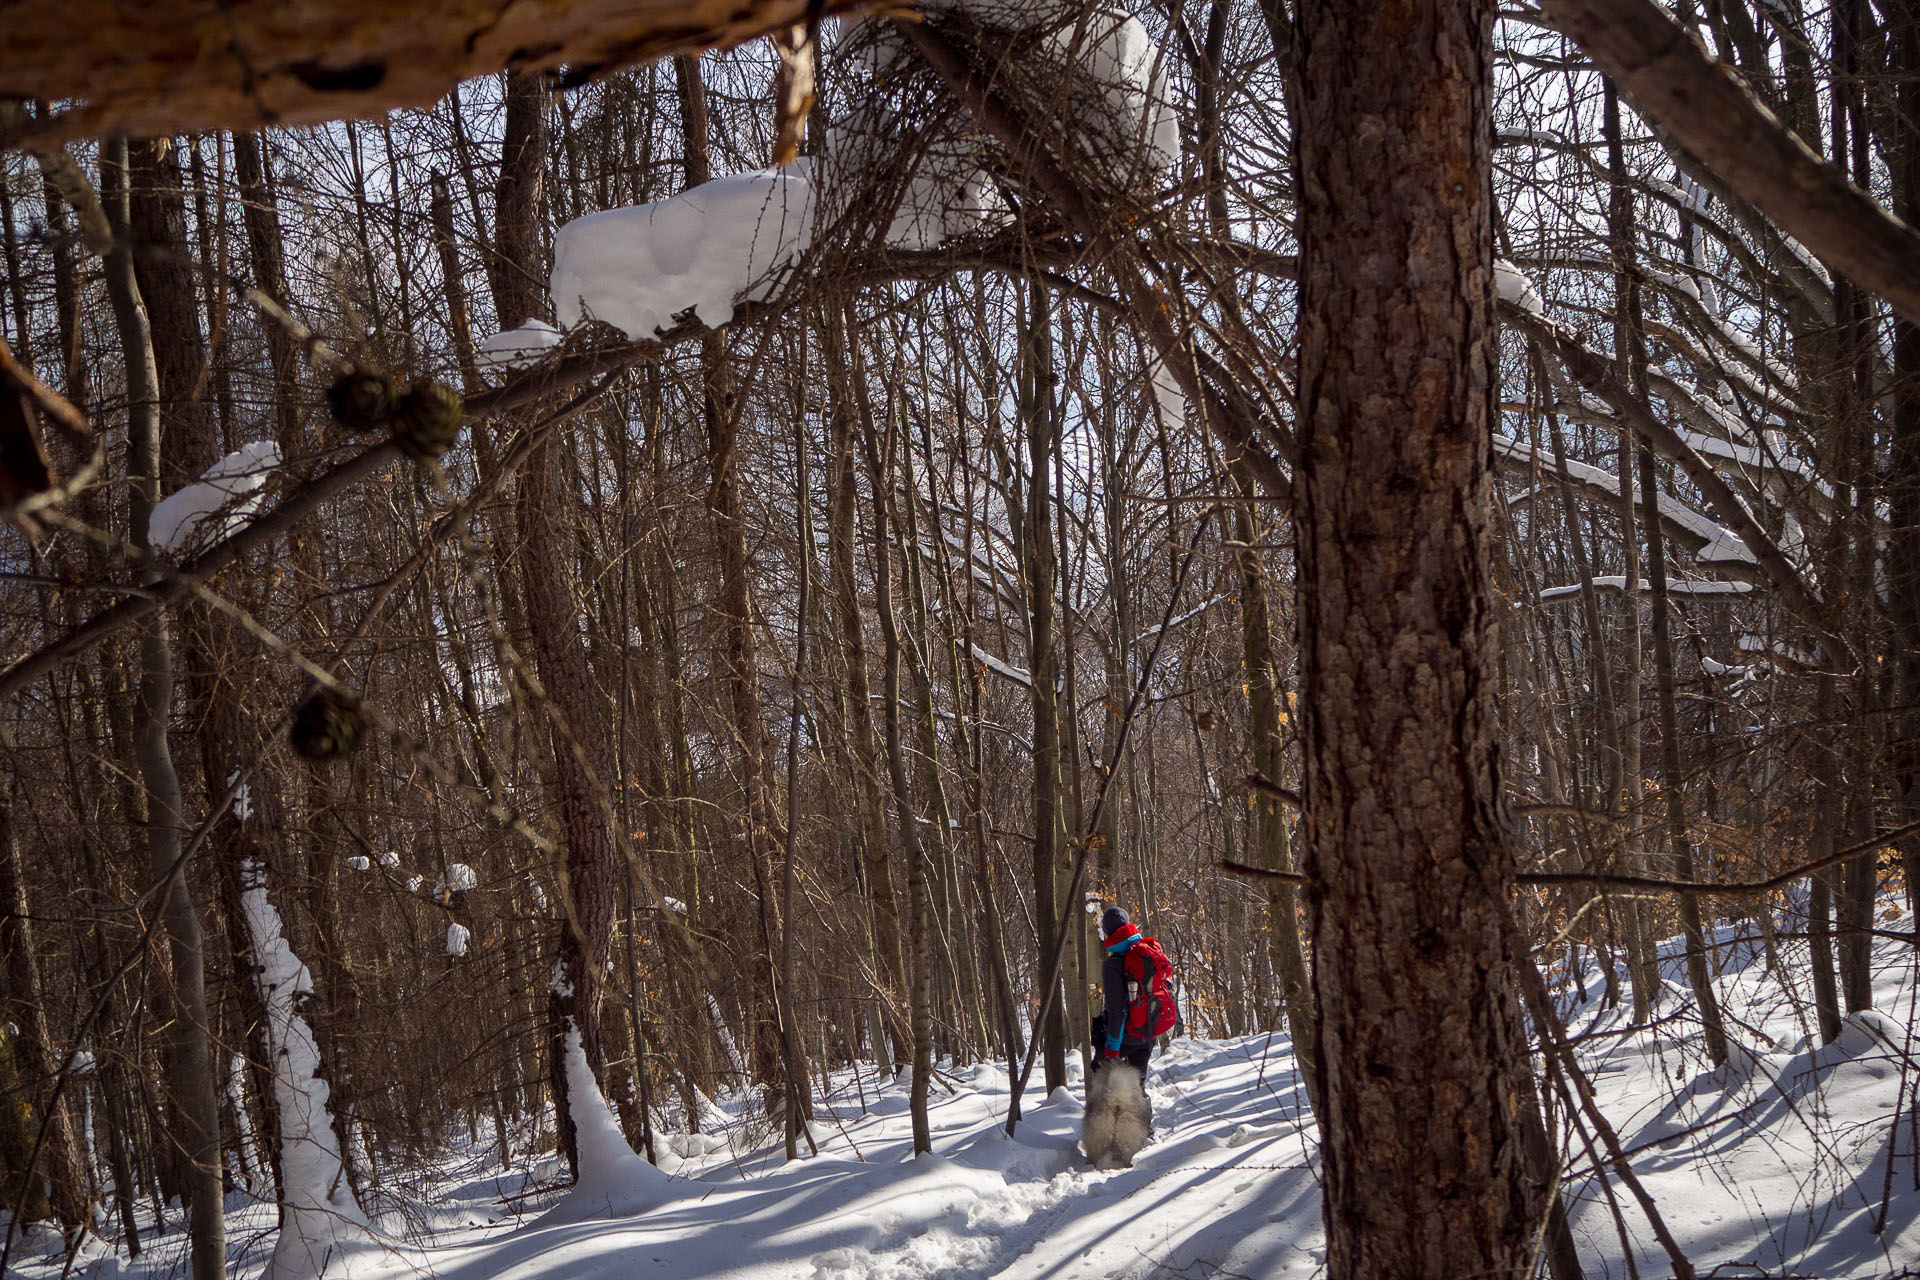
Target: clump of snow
column 943, row 202
column 360, row 862
column 390, row 860
column 1512, row 286
column 458, row 936
column 613, row 1182
column 458, row 878
column 242, row 799
column 414, row 883
column 518, row 348
column 216, row 506
column 321, row 1227
column 1169, row 401
column 674, row 905
column 1125, row 66
column 539, row 894
column 699, row 252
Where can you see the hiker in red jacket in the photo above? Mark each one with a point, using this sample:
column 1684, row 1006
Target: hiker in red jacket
column 1138, row 981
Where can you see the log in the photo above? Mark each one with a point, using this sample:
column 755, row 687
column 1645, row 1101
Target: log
column 144, row 69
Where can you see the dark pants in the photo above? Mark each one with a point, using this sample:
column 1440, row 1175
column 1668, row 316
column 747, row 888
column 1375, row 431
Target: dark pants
column 1137, row 1055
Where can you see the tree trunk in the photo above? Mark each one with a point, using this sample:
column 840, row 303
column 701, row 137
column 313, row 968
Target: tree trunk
column 191, row 1090
column 883, row 903
column 577, row 730
column 1043, row 432
column 1423, row 1051
column 23, row 1002
column 1263, row 696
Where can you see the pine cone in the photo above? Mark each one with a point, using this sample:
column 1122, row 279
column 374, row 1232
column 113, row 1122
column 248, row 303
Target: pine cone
column 428, row 420
column 328, row 726
column 362, row 399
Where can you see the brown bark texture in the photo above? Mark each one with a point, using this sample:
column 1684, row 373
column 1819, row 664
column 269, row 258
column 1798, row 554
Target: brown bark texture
column 153, row 69
column 579, row 740
column 1422, row 1050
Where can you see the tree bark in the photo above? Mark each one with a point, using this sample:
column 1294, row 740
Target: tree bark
column 1043, row 431
column 205, row 64
column 23, row 1002
column 577, row 728
column 191, row 1089
column 1423, row 1052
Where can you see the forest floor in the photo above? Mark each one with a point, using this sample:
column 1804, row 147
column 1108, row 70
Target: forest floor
column 1778, row 1165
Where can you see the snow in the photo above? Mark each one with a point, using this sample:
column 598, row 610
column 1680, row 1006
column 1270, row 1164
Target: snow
column 1005, row 671
column 360, row 862
column 674, row 905
column 699, row 251
column 217, row 505
column 323, row 1230
column 613, row 1182
column 1148, row 636
column 1716, row 544
column 1169, row 401
column 242, row 799
column 390, row 860
column 458, row 878
column 1119, row 58
column 457, row 937
column 1675, row 587
column 1512, row 286
column 518, row 348
column 1779, row 1161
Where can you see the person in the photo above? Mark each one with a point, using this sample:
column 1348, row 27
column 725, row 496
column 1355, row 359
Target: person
column 1137, row 981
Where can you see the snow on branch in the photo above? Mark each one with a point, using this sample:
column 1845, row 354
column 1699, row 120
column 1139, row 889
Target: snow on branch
column 695, row 253
column 1682, row 587
column 217, row 505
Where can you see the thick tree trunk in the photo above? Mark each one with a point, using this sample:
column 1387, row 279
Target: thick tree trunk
column 146, row 70
column 576, row 726
column 1423, row 1052
column 739, row 665
column 919, row 986
column 1903, row 472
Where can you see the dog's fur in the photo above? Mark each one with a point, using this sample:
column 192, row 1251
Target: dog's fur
column 1118, row 1118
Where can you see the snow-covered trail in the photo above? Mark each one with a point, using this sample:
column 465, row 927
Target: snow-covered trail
column 1789, row 1162
column 1222, row 1169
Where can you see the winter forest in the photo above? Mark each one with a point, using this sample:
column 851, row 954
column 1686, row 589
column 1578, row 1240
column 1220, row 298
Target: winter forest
column 596, row 599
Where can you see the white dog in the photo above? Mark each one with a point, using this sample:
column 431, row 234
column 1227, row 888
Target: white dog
column 1119, row 1117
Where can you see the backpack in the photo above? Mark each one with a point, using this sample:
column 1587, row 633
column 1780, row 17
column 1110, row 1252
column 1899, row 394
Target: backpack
column 1151, row 1010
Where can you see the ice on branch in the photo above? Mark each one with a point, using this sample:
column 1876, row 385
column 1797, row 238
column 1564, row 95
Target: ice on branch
column 697, row 253
column 458, row 936
column 217, row 505
column 518, row 348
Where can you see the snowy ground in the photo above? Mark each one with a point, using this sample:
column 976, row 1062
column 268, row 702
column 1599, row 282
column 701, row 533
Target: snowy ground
column 1781, row 1164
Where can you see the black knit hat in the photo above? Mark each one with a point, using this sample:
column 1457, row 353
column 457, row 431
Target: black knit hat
column 1113, row 921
